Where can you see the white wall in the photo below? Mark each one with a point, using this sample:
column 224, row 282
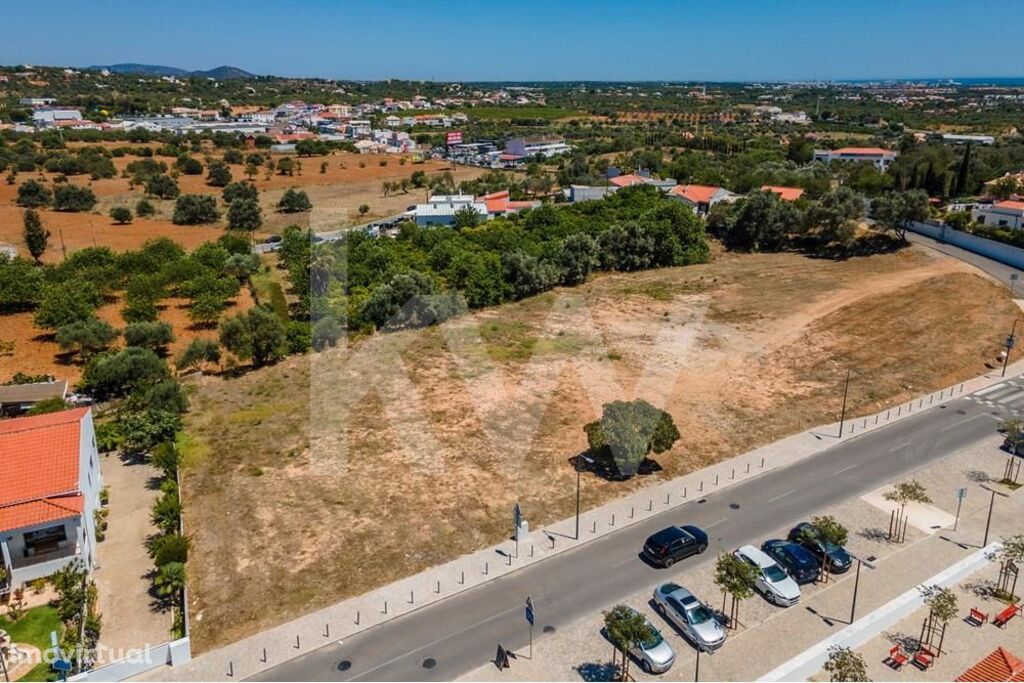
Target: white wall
column 997, row 251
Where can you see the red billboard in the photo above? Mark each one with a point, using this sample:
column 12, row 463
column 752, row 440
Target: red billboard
column 454, row 138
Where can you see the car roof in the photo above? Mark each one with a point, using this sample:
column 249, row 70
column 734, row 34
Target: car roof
column 669, row 534
column 681, row 594
column 757, row 556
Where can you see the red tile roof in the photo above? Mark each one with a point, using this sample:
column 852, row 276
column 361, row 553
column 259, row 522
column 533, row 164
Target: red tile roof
column 999, row 665
column 40, row 511
column 628, row 180
column 1008, row 204
column 39, row 458
column 698, row 194
column 788, row 194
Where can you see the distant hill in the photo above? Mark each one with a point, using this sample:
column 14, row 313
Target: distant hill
column 221, row 73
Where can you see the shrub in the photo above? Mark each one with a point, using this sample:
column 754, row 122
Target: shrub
column 294, row 201
column 149, row 335
column 162, row 186
column 195, row 209
column 144, row 208
column 33, row 193
column 122, row 215
column 73, row 198
column 245, row 214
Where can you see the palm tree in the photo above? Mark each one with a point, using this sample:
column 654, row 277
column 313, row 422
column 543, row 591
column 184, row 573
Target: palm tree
column 170, row 579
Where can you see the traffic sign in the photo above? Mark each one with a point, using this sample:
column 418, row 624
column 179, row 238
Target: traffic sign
column 530, row 615
column 961, row 493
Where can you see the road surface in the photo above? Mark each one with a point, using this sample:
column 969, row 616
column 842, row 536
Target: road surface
column 999, row 271
column 452, row 637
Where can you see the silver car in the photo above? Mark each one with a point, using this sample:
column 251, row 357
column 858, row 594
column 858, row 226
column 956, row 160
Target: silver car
column 655, row 655
column 693, row 618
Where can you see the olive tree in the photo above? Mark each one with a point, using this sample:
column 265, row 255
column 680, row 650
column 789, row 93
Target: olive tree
column 626, row 628
column 628, row 432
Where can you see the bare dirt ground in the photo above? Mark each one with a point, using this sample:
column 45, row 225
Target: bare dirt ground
column 349, row 181
column 331, row 474
column 37, row 353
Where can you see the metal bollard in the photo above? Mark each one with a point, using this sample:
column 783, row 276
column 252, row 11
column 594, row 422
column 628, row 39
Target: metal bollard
column 508, row 556
column 632, row 511
column 297, row 646
column 748, row 468
column 438, row 591
column 650, row 505
column 887, row 413
column 716, row 480
column 531, row 550
column 762, row 463
column 462, row 578
column 593, row 528
column 486, row 567
column 357, row 617
column 899, row 410
column 231, row 669
column 684, row 492
column 865, row 425
column 385, row 607
column 733, row 475
column 613, row 519
column 876, row 419
column 552, row 542
column 961, row 388
column 264, row 657
column 668, row 497
column 327, row 630
column 701, row 489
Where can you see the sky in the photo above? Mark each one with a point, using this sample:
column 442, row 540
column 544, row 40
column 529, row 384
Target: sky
column 552, row 40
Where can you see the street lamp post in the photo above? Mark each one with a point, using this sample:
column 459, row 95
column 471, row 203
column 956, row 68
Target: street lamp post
column 579, row 471
column 696, row 668
column 856, row 586
column 991, row 504
column 846, row 392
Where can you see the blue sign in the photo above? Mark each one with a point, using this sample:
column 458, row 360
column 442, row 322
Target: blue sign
column 61, row 665
column 529, row 610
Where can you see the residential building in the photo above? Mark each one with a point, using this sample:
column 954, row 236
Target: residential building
column 701, row 197
column 264, row 117
column 879, row 156
column 1005, row 214
column 786, row 194
column 49, row 494
column 959, row 139
column 37, row 101
column 500, row 204
column 49, row 117
column 392, row 121
column 586, row 193
column 16, row 399
column 999, row 665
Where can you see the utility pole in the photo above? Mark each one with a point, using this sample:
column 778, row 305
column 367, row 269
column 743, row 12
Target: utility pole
column 988, row 521
column 846, row 392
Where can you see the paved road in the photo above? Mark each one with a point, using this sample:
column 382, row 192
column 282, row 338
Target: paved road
column 999, row 271
column 462, row 632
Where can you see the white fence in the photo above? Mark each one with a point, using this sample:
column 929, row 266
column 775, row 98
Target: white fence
column 997, row 251
column 170, row 654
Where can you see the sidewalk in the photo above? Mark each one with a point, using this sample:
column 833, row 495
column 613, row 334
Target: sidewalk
column 344, row 619
column 777, row 635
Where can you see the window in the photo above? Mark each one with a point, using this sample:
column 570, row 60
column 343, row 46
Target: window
column 44, row 540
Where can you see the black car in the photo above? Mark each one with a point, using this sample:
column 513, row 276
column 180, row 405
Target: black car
column 839, row 560
column 798, row 562
column 273, row 239
column 675, row 543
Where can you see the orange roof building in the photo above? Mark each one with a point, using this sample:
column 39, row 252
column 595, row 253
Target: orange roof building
column 499, row 204
column 49, row 489
column 701, row 197
column 786, row 194
column 999, row 665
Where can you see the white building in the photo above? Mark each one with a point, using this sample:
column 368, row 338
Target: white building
column 441, row 209
column 49, row 493
column 545, row 145
column 1005, row 214
column 878, row 156
column 49, row 117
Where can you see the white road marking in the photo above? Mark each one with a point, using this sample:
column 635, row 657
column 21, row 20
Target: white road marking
column 983, row 392
column 780, row 497
column 714, row 524
column 901, row 446
column 848, row 468
column 963, row 422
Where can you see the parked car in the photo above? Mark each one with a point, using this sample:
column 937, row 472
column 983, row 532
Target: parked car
column 655, row 655
column 675, row 543
column 273, row 239
column 772, row 582
column 695, row 620
column 839, row 560
column 798, row 562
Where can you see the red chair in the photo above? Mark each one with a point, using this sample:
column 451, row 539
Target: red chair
column 924, row 658
column 897, row 657
column 977, row 617
column 1007, row 614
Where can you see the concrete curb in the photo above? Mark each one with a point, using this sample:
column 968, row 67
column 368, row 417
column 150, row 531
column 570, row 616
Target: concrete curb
column 810, row 661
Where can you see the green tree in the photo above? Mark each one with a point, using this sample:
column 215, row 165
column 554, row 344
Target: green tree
column 21, row 284
column 144, row 208
column 902, row 494
column 626, row 628
column 73, row 198
column 294, row 201
column 122, row 215
column 218, row 174
column 832, row 219
column 830, row 530
column 326, row 333
column 162, row 186
column 245, row 214
column 142, row 430
column 86, row 337
column 33, row 194
column 67, row 302
column 895, row 211
column 578, row 257
column 195, row 209
column 36, row 236
column 735, row 578
column 46, row 406
column 364, row 209
column 170, row 579
column 466, row 217
column 629, row 431
column 845, row 666
column 149, row 335
column 286, row 166
column 198, row 353
column 240, row 190
column 206, row 308
column 189, row 165
column 119, row 373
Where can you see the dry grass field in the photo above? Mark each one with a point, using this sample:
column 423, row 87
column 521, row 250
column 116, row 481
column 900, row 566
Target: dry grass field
column 330, row 474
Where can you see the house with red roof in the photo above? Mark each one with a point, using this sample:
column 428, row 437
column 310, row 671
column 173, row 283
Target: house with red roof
column 500, row 204
column 49, row 491
column 879, row 156
column 786, row 194
column 701, row 197
column 1005, row 214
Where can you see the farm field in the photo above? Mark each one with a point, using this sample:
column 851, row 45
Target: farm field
column 350, row 180
column 333, row 473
